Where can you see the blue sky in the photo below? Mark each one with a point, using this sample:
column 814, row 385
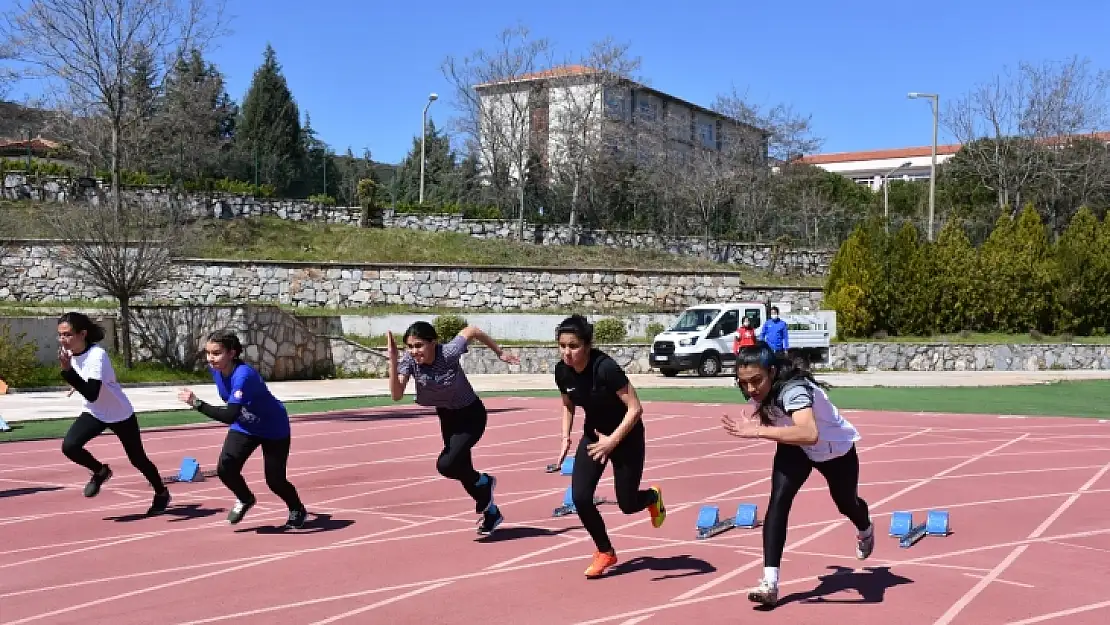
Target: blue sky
column 363, row 69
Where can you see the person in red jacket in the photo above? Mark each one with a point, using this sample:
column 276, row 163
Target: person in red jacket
column 745, row 335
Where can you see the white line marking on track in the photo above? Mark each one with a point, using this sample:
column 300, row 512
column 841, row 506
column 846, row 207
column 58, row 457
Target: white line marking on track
column 1048, row 617
column 372, row 606
column 971, row 594
column 832, row 526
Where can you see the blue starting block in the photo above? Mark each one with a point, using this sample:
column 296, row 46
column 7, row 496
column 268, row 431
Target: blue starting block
column 936, row 524
column 908, row 534
column 189, row 471
column 568, row 506
column 568, row 466
column 901, row 523
column 709, row 521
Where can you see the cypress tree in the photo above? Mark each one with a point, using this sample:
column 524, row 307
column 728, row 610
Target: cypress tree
column 269, row 136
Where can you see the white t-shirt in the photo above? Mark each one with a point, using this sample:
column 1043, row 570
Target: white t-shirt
column 835, row 435
column 111, row 406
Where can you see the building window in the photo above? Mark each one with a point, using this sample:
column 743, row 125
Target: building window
column 706, row 134
column 614, row 103
column 647, row 110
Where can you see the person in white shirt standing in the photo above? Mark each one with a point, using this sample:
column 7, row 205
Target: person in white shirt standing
column 791, row 408
column 87, row 368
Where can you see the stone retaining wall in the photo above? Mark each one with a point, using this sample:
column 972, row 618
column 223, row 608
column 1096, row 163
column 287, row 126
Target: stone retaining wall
column 31, row 271
column 966, row 357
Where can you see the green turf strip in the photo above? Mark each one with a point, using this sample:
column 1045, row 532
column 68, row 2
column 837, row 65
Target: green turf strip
column 1061, row 399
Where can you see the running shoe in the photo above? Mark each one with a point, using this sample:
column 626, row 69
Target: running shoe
column 602, row 561
column 239, row 511
column 864, row 546
column 296, row 519
column 657, row 510
column 160, row 503
column 491, row 518
column 97, row 480
column 766, row 593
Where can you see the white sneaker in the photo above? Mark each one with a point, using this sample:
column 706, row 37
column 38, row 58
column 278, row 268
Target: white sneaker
column 766, row 593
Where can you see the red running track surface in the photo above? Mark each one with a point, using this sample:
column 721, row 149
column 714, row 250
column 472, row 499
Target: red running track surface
column 393, row 542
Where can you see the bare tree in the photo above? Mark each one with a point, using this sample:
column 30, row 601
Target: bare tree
column 578, row 93
column 496, row 96
column 7, row 72
column 94, row 49
column 1008, row 125
column 123, row 248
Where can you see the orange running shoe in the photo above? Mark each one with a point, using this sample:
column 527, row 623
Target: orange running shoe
column 602, row 561
column 658, row 510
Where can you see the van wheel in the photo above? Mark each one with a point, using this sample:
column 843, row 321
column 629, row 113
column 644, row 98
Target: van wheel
column 710, row 366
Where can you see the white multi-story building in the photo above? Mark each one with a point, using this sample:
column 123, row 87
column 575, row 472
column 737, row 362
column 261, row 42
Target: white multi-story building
column 571, row 113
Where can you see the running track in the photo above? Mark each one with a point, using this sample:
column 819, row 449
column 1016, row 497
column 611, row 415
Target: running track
column 395, row 543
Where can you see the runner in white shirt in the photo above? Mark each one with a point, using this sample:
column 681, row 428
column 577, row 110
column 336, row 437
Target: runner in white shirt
column 87, row 368
column 791, row 408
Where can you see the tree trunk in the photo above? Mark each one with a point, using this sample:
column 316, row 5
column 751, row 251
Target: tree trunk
column 125, row 331
column 520, row 220
column 574, row 210
column 117, row 130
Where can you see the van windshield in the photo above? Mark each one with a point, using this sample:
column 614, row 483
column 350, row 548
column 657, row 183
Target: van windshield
column 695, row 319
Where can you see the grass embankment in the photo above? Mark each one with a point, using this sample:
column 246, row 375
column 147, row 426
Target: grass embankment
column 1064, row 399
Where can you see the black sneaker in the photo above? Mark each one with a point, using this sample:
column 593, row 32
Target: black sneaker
column 97, row 480
column 160, row 503
column 490, row 520
column 485, row 500
column 239, row 511
column 296, row 519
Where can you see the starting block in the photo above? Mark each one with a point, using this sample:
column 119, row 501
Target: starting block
column 709, row 522
column 566, row 469
column 189, row 471
column 908, row 534
column 901, row 523
column 936, row 524
column 568, row 504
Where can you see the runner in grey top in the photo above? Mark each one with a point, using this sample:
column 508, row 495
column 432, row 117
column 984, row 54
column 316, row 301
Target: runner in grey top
column 441, row 384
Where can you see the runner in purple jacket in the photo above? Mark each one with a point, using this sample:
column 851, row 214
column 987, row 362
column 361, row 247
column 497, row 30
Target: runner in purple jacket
column 442, row 384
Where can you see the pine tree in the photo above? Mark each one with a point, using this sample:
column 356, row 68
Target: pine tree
column 1083, row 267
column 955, row 301
column 268, row 136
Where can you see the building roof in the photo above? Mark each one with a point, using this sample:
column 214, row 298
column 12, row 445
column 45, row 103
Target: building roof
column 875, row 155
column 910, row 152
column 567, row 71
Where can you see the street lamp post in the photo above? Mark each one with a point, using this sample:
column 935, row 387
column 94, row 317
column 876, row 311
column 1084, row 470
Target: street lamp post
column 935, row 102
column 423, row 139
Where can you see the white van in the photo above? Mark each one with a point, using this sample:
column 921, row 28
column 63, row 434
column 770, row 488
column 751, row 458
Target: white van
column 702, row 337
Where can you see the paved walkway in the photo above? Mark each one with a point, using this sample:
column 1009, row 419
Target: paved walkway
column 56, row 405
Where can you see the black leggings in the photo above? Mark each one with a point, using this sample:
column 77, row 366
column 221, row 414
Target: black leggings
column 461, row 429
column 275, row 457
column 791, row 470
column 628, row 469
column 88, row 427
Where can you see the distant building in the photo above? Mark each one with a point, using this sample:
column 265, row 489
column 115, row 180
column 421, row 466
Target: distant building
column 568, row 107
column 868, row 168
